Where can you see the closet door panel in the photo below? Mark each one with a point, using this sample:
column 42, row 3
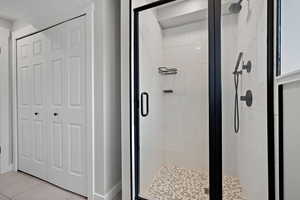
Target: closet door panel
column 76, row 103
column 74, row 81
column 25, row 137
column 52, row 105
column 38, row 139
column 24, row 82
column 32, row 124
column 57, row 65
column 57, row 70
column 38, row 83
column 57, row 142
column 75, row 132
column 39, row 100
column 67, row 106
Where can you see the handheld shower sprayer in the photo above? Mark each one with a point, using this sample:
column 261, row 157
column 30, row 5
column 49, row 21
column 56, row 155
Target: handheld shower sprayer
column 236, row 75
column 238, row 62
column 248, row 98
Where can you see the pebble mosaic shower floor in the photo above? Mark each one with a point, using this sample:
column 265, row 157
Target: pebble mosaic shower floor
column 174, row 183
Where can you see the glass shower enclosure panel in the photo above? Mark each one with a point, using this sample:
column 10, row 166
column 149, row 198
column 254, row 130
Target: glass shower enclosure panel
column 171, row 66
column 244, row 99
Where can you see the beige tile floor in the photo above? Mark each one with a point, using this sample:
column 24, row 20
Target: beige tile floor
column 19, row 186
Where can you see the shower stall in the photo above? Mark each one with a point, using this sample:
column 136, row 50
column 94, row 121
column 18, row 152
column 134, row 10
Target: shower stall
column 200, row 93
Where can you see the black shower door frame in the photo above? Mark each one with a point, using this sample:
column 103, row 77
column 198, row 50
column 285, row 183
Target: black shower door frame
column 215, row 99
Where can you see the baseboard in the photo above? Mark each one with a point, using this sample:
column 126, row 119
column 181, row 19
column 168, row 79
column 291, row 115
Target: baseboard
column 111, row 194
column 8, row 168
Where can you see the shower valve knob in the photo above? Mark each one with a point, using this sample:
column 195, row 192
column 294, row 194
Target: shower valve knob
column 248, row 98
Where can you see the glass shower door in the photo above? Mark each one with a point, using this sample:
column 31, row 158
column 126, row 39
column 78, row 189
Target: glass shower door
column 171, row 83
column 244, row 99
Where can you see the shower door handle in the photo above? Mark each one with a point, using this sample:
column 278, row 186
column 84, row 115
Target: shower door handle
column 144, row 99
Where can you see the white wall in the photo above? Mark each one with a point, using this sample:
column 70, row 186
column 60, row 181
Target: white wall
column 19, row 24
column 229, row 57
column 290, row 36
column 291, row 140
column 125, row 99
column 107, row 98
column 112, row 94
column 185, row 112
column 290, row 82
column 99, row 101
column 43, row 12
column 4, row 23
column 252, row 159
column 5, row 114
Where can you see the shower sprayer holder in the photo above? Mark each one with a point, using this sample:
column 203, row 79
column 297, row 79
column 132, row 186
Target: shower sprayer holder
column 247, row 66
column 248, row 98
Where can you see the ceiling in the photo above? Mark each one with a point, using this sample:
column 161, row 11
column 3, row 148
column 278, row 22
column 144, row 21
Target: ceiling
column 40, row 12
column 184, row 12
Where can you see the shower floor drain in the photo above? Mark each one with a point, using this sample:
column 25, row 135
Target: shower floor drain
column 206, row 191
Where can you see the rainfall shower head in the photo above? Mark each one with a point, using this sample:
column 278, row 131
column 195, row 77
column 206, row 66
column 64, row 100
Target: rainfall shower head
column 235, row 8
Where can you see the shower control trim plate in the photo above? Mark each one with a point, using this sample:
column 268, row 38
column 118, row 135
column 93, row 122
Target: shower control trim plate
column 248, row 98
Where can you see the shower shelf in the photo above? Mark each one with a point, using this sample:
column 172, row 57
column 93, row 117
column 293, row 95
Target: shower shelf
column 167, row 71
column 168, row 91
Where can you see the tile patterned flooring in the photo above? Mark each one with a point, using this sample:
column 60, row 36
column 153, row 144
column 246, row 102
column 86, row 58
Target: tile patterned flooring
column 20, row 186
column 174, row 183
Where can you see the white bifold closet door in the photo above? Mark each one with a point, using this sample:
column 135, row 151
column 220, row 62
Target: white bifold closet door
column 52, row 105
